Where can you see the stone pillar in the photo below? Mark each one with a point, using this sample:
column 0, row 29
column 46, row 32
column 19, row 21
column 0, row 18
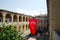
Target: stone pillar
column 17, row 18
column 22, row 18
column 4, row 17
column 27, row 26
column 54, row 14
column 24, row 27
column 28, row 18
column 49, row 5
column 25, row 18
column 11, row 17
column 21, row 28
column 17, row 28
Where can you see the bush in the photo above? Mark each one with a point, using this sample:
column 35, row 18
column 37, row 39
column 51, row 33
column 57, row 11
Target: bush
column 9, row 33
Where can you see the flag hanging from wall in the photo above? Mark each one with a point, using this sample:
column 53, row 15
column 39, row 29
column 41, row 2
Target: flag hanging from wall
column 33, row 26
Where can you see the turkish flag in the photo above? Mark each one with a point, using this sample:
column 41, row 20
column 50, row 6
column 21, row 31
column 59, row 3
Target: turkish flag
column 33, row 25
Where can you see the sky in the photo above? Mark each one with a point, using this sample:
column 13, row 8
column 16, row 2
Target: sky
column 28, row 7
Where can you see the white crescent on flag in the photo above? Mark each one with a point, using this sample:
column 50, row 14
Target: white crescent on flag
column 33, row 23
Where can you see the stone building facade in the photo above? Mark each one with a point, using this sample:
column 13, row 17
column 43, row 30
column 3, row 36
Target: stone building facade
column 19, row 20
column 42, row 21
column 53, row 7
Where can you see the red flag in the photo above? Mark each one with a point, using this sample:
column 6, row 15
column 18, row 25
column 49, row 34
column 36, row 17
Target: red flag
column 33, row 25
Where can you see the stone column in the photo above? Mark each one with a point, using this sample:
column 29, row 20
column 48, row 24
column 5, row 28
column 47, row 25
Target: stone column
column 28, row 18
column 54, row 14
column 17, row 28
column 4, row 17
column 49, row 5
column 27, row 26
column 22, row 18
column 17, row 18
column 21, row 28
column 11, row 17
column 25, row 18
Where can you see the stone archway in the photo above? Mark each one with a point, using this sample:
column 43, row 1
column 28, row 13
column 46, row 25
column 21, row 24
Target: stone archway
column 23, row 18
column 14, row 18
column 8, row 18
column 19, row 28
column 1, row 17
column 26, row 27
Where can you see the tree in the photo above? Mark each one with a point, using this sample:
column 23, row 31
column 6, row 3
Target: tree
column 9, row 33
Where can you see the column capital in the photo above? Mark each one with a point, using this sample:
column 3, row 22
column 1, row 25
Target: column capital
column 12, row 17
column 25, row 18
column 4, row 15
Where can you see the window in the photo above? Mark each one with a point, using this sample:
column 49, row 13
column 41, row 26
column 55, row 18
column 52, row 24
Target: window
column 41, row 21
column 0, row 19
column 45, row 21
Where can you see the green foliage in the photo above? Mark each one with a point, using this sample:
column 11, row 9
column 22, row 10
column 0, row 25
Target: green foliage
column 9, row 33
